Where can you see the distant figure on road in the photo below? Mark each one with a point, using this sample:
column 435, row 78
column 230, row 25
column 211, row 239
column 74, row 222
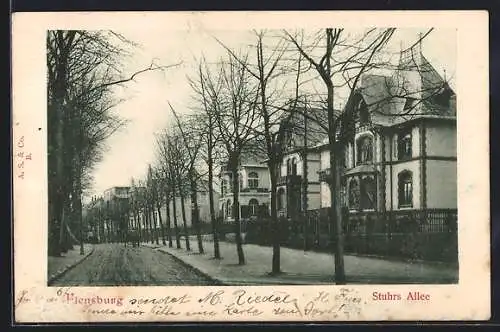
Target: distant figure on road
column 133, row 238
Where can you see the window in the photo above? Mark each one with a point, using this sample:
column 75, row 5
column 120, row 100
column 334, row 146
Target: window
column 289, row 143
column 442, row 98
column 410, row 103
column 405, row 185
column 346, row 163
column 394, row 147
column 253, row 206
column 365, row 149
column 353, row 195
column 368, row 194
column 228, row 209
column 281, row 199
column 404, row 145
column 223, row 186
column 361, row 112
column 253, row 180
column 343, row 192
column 294, row 166
column 229, row 188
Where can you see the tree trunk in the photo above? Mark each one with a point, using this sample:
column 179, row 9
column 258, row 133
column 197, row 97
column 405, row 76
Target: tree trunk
column 154, row 221
column 55, row 154
column 213, row 218
column 176, row 224
column 139, row 227
column 62, row 231
column 142, row 221
column 195, row 215
column 169, row 227
column 335, row 210
column 150, row 224
column 65, row 241
column 276, row 260
column 68, row 181
column 57, row 143
column 144, row 225
column 54, row 194
column 162, row 228
column 236, row 211
column 147, row 228
column 108, row 227
column 101, row 236
column 112, row 229
column 77, row 175
column 184, row 221
column 128, row 235
column 305, row 185
column 77, row 201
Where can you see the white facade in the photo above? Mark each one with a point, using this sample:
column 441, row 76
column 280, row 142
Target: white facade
column 291, row 183
column 399, row 154
column 431, row 164
column 116, row 192
column 253, row 196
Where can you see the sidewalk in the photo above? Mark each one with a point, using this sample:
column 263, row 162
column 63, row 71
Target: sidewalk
column 59, row 265
column 301, row 267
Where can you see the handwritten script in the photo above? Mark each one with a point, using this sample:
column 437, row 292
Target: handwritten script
column 214, row 304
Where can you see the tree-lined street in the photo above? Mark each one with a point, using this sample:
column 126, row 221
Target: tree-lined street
column 116, row 265
column 159, row 265
column 245, row 102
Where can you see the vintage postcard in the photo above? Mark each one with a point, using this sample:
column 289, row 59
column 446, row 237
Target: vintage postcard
column 250, row 166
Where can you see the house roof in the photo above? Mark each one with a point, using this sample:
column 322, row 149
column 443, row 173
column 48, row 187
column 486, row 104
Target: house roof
column 253, row 153
column 414, row 89
column 294, row 127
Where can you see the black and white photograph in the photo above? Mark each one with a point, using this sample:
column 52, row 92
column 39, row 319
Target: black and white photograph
column 252, row 157
column 244, row 166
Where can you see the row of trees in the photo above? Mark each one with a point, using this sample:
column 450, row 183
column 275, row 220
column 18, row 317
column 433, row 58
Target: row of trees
column 239, row 105
column 82, row 69
column 240, row 102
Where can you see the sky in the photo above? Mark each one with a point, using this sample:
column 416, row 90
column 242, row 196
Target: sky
column 145, row 106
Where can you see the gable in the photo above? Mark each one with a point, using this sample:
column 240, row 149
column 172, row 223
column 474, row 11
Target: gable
column 414, row 89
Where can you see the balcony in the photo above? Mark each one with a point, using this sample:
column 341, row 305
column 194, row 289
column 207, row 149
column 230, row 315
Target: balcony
column 254, row 190
column 324, row 175
column 362, row 127
column 289, row 180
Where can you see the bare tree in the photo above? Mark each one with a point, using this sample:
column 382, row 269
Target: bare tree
column 235, row 116
column 167, row 174
column 158, row 183
column 81, row 65
column 141, row 198
column 179, row 168
column 173, row 161
column 151, row 203
column 192, row 145
column 165, row 187
column 351, row 66
column 90, row 123
column 134, row 198
column 206, row 96
column 269, row 72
